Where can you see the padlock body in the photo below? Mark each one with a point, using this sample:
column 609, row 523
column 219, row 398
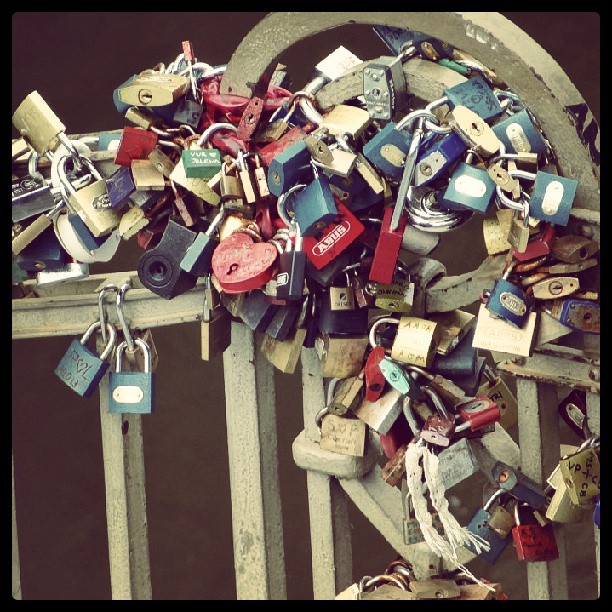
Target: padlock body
column 479, row 525
column 384, row 87
column 387, row 248
column 470, row 188
column 119, row 186
column 342, row 322
column 81, row 369
column 535, row 543
column 509, row 303
column 552, row 198
column 315, row 207
column 187, row 112
column 580, row 315
column 433, row 161
column 86, row 200
column 290, row 277
column 388, row 149
column 288, row 168
column 135, row 144
column 539, row 245
column 519, row 135
column 461, row 361
column 131, row 392
column 476, row 95
column 201, row 163
column 216, row 334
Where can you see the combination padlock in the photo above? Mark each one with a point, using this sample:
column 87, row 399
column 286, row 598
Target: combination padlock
column 132, row 392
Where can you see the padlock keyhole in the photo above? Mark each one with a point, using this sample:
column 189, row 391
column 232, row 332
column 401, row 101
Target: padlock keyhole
column 158, row 271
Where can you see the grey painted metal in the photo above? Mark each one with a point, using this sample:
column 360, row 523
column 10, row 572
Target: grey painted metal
column 16, row 573
column 126, row 517
column 593, row 414
column 257, row 523
column 330, row 530
column 489, row 37
column 538, row 423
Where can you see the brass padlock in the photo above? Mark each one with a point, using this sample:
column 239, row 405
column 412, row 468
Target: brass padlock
column 572, row 249
column 246, row 182
column 346, row 436
column 474, row 131
column 345, row 120
column 416, row 341
column 230, row 185
column 35, row 120
column 454, row 325
column 284, row 354
column 260, row 178
column 347, row 394
column 153, row 89
column 340, row 357
column 146, row 176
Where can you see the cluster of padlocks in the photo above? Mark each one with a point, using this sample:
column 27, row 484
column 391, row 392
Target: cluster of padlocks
column 300, row 224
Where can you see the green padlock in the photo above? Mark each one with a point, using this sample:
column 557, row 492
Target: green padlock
column 201, row 163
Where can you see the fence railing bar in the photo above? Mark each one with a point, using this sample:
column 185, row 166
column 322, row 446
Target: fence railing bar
column 16, row 584
column 257, row 524
column 538, row 423
column 593, row 414
column 125, row 502
column 330, row 530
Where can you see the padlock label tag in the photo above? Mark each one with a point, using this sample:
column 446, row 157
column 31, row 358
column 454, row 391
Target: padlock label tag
column 470, row 186
column 128, row 394
column 513, row 303
column 516, row 135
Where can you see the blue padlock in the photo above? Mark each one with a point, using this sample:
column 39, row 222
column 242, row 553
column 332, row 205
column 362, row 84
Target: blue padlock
column 166, row 112
column 314, row 207
column 396, row 39
column 81, row 369
column 289, row 167
column 470, row 382
column 518, row 485
column 119, row 186
column 519, row 135
column 366, row 198
column 580, row 315
column 433, row 161
column 106, row 138
column 132, row 392
column 476, row 95
column 469, row 188
column 122, row 107
column 387, row 150
column 461, row 361
column 552, row 198
column 43, row 252
column 187, row 112
column 596, row 513
column 88, row 240
column 479, row 525
column 506, row 301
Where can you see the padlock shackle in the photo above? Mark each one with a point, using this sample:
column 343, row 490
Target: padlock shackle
column 372, row 335
column 495, row 496
column 112, row 337
column 145, row 349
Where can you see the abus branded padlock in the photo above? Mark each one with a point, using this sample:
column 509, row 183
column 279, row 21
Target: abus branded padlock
column 384, row 87
column 387, row 150
column 552, row 198
column 470, row 188
column 81, row 369
column 479, row 525
column 519, row 135
column 433, row 161
column 476, row 95
column 132, row 392
column 533, row 542
column 506, row 301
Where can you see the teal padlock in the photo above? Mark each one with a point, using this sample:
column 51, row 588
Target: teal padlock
column 470, row 188
column 552, row 198
column 132, row 392
column 519, row 134
column 201, row 163
column 315, row 207
column 476, row 95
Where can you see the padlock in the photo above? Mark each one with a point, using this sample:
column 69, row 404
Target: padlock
column 380, row 415
column 533, row 542
column 291, row 269
column 334, row 239
column 132, row 392
column 579, row 315
column 260, row 179
column 146, row 176
column 244, row 174
column 508, row 302
column 315, row 206
column 519, row 233
column 411, row 529
column 435, row 588
column 62, row 273
column 201, row 163
column 494, row 334
column 405, row 384
column 479, row 525
column 538, row 245
column 289, row 167
column 561, row 509
column 43, row 252
column 399, row 40
column 469, row 382
column 343, row 435
column 340, row 357
column 397, row 296
column 284, row 355
column 153, row 89
column 187, row 112
column 230, row 185
column 384, row 87
column 400, row 433
column 344, row 120
column 504, row 179
column 35, row 120
column 457, row 463
column 581, row 473
column 477, row 413
column 256, row 311
column 521, row 487
column 271, row 150
column 475, row 94
column 198, row 187
column 416, row 341
column 438, row 428
column 455, row 325
column 374, row 378
column 387, row 248
column 346, row 394
column 497, row 391
column 119, row 187
column 434, row 160
column 552, row 198
column 135, row 144
column 282, row 322
column 216, row 329
column 142, row 118
column 557, row 287
column 80, row 368
column 159, row 269
column 519, row 135
column 474, row 131
column 470, row 188
column 387, row 150
column 30, row 197
column 461, row 361
column 198, row 256
column 365, row 291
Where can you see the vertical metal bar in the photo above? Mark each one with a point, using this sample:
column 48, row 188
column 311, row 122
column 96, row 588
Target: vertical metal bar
column 592, row 405
column 16, row 572
column 330, row 530
column 257, row 523
column 125, row 502
column 539, row 442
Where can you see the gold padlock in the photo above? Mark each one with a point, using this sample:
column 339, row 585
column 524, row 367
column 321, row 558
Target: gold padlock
column 474, row 131
column 284, row 354
column 35, row 120
column 345, row 120
column 454, row 324
column 230, row 185
column 340, row 357
column 153, row 89
column 146, row 176
column 346, row 436
column 416, row 341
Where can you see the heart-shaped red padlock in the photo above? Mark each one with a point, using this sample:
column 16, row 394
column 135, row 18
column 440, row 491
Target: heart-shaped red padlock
column 240, row 264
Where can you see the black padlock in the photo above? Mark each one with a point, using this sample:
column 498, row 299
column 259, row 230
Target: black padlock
column 291, row 270
column 462, row 361
column 282, row 322
column 341, row 322
column 159, row 269
column 256, row 311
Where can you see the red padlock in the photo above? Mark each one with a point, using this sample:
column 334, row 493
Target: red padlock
column 149, row 237
column 387, row 248
column 477, row 413
column 374, row 378
column 399, row 434
column 336, row 237
column 532, row 541
column 268, row 152
column 540, row 245
column 240, row 264
column 135, row 144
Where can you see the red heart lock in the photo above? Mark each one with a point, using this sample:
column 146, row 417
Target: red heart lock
column 241, row 265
